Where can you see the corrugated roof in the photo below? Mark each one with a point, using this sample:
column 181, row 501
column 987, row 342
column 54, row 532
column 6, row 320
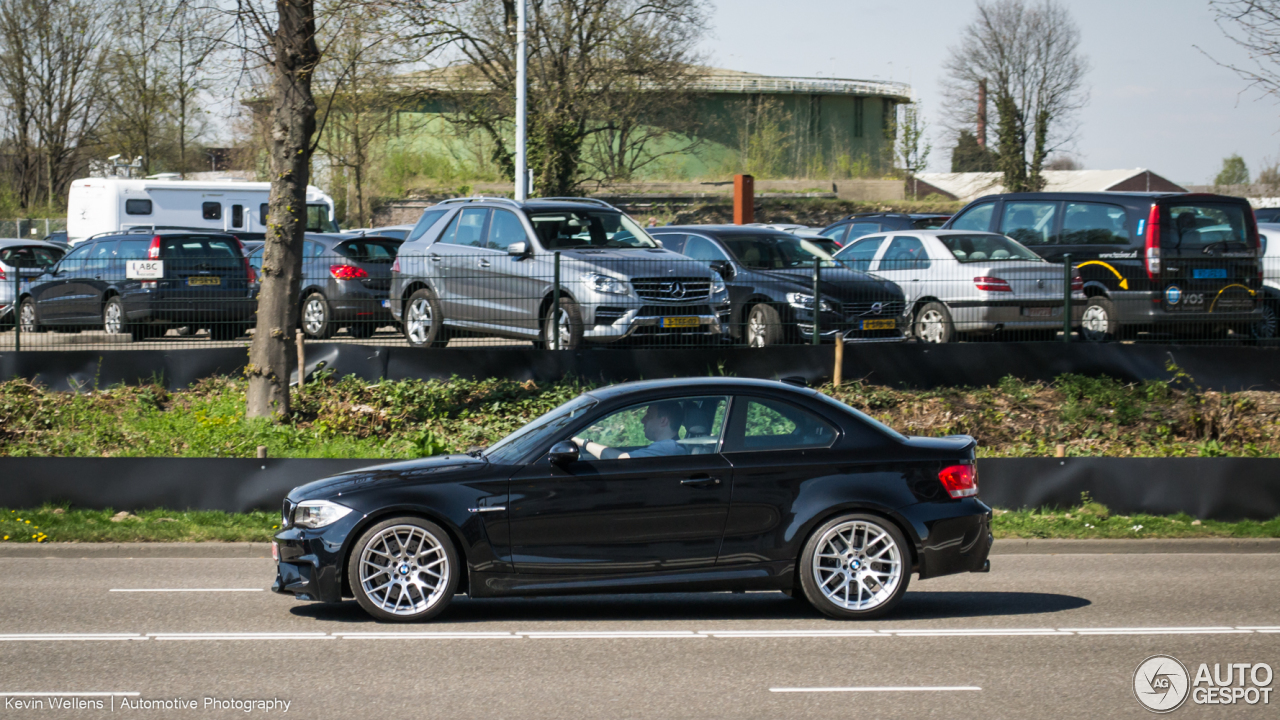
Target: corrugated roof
column 967, row 186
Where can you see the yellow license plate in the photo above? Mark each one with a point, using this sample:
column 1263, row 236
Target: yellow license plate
column 879, row 324
column 674, row 322
column 204, row 280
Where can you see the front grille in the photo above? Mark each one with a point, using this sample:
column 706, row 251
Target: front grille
column 669, row 310
column 888, row 309
column 674, row 289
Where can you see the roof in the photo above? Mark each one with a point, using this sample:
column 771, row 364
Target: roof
column 700, row 383
column 10, row 242
column 971, row 185
column 722, row 229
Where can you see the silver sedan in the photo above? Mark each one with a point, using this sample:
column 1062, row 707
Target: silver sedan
column 968, row 282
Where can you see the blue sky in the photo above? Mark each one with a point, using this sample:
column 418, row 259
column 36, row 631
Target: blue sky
column 1157, row 101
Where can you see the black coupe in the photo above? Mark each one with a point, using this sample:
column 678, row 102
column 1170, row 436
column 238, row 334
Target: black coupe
column 697, row 484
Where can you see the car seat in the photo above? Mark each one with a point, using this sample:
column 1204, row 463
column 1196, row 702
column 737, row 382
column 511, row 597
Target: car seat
column 698, row 418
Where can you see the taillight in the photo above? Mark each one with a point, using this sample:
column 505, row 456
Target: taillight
column 347, row 272
column 248, row 269
column 1153, row 242
column 992, row 284
column 1077, row 283
column 2, row 275
column 153, row 252
column 959, row 480
column 395, row 266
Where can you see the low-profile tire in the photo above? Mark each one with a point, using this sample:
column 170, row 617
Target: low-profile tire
column 27, row 316
column 933, row 324
column 569, row 320
column 423, row 321
column 1098, row 320
column 856, row 566
column 404, row 569
column 763, row 327
column 316, row 319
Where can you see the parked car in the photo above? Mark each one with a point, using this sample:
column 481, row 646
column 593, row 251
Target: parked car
column 488, row 266
column 399, row 232
column 826, row 501
column 1185, row 263
column 345, row 283
column 855, row 226
column 769, row 274
column 1268, row 327
column 59, row 238
column 26, row 259
column 202, row 280
column 962, row 282
column 1267, row 215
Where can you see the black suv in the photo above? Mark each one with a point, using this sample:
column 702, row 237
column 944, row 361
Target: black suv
column 144, row 283
column 855, row 226
column 1181, row 263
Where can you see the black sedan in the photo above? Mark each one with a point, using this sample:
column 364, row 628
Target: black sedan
column 769, row 276
column 698, row 484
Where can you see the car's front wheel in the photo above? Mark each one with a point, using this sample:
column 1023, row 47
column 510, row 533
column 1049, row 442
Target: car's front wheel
column 27, row 316
column 404, row 569
column 764, row 327
column 564, row 327
column 934, row 325
column 856, row 566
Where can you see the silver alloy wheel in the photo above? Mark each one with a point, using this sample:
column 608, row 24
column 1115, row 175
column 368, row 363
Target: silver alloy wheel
column 756, row 330
column 418, row 320
column 1267, row 327
column 932, row 325
column 112, row 320
column 858, row 566
column 1095, row 321
column 559, row 320
column 404, row 570
column 27, row 316
column 313, row 316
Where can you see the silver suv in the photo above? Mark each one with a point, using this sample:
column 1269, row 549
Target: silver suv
column 488, row 266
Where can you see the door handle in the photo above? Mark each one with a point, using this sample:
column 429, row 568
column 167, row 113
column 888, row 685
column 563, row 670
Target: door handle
column 484, row 263
column 436, row 258
column 700, row 481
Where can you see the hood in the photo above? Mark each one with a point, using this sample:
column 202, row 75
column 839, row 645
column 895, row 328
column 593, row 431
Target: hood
column 638, row 262
column 445, row 468
column 841, row 284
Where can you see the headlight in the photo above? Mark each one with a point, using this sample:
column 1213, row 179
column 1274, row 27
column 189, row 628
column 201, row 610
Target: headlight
column 804, row 301
column 717, row 285
column 606, row 284
column 318, row 513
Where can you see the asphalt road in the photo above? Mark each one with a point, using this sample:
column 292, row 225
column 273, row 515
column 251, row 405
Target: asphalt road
column 1040, row 636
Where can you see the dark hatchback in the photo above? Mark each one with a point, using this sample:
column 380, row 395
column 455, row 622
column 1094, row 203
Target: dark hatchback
column 734, row 485
column 144, row 284
column 1186, row 264
column 769, row 276
column 345, row 283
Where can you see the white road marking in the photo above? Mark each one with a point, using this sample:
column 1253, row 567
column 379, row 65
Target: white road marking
column 1158, row 631
column 588, row 635
column 41, row 637
column 241, row 636
column 70, row 694
column 428, row 636
column 876, row 689
column 183, row 590
column 791, row 633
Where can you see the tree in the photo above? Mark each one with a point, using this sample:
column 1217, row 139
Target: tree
column 139, row 97
column 1233, row 172
column 913, row 145
column 591, row 67
column 1028, row 53
column 969, row 156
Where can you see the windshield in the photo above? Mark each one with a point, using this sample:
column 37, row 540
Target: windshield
column 1204, row 226
column 987, row 248
column 776, row 252
column 578, row 229
column 518, row 444
column 318, row 219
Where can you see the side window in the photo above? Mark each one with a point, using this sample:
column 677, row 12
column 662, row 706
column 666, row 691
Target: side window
column 74, row 260
column 211, row 211
column 137, row 207
column 975, row 218
column 1030, row 223
column 700, row 248
column 133, row 249
column 312, row 249
column 262, row 214
column 685, row 426
column 671, row 241
column 504, row 229
column 905, row 253
column 255, row 260
column 762, row 424
column 835, row 233
column 1094, row 224
column 99, row 258
column 857, row 230
column 237, row 216
column 467, row 228
column 858, row 255
column 428, row 219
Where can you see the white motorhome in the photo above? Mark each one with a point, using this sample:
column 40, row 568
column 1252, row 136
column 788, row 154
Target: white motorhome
column 97, row 205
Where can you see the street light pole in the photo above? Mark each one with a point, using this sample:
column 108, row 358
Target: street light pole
column 522, row 101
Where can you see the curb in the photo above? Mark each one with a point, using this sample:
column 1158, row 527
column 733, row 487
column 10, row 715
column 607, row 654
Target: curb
column 1005, row 546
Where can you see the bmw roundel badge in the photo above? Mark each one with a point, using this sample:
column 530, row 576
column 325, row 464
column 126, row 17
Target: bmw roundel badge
column 1173, row 294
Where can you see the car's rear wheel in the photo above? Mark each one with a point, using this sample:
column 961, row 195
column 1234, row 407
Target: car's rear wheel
column 113, row 318
column 565, row 326
column 404, row 569
column 1098, row 322
column 1268, row 325
column 764, row 326
column 856, row 566
column 27, row 316
column 423, row 321
column 315, row 317
column 934, row 325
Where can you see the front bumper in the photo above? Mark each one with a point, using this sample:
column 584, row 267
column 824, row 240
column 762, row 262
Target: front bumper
column 618, row 321
column 309, row 562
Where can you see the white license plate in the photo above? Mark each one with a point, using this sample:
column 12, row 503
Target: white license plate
column 1038, row 312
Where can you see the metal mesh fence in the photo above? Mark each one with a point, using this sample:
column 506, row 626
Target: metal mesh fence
column 455, row 296
column 32, row 229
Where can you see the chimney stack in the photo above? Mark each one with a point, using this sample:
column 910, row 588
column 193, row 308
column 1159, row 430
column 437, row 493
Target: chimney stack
column 982, row 113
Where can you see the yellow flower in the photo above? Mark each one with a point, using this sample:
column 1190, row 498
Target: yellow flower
column 6, row 537
column 28, row 521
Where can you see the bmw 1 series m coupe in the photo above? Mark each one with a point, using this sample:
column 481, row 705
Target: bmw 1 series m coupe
column 698, row 484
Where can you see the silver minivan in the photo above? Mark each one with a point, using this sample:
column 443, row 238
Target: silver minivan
column 493, row 267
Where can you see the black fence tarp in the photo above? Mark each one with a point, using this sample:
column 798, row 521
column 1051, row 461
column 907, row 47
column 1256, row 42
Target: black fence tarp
column 900, row 365
column 1207, row 488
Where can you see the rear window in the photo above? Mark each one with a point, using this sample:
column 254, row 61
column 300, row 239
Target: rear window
column 30, row 257
column 930, row 223
column 1204, row 226
column 369, row 250
column 986, row 248
column 199, row 248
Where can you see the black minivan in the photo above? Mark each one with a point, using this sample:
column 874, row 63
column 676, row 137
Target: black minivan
column 144, row 283
column 1186, row 264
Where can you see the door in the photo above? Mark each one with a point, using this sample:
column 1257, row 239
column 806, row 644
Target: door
column 662, row 509
column 859, row 254
column 906, row 262
column 84, row 290
column 451, row 261
column 502, row 287
column 735, row 282
column 52, row 297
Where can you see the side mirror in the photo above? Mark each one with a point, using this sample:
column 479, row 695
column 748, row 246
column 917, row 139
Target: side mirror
column 518, row 249
column 724, row 267
column 563, row 453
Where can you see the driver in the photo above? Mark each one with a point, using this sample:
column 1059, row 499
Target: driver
column 661, row 426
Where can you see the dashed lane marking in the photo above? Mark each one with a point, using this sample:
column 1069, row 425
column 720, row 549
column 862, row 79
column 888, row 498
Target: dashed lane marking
column 888, row 688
